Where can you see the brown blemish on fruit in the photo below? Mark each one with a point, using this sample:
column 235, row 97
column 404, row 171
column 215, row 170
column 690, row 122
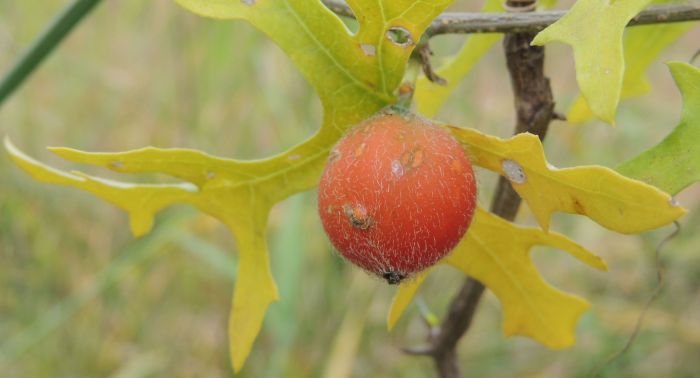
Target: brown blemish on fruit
column 357, row 214
column 393, row 277
column 578, row 208
column 116, row 164
column 360, row 149
column 412, row 158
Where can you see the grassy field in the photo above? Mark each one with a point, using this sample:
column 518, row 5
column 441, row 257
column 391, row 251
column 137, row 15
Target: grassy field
column 80, row 297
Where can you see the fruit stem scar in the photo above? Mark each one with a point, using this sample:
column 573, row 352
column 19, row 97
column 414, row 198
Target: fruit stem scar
column 393, row 277
column 357, row 214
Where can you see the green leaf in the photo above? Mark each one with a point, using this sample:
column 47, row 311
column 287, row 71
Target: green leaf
column 605, row 196
column 531, row 307
column 674, row 164
column 642, row 46
column 594, row 30
column 429, row 96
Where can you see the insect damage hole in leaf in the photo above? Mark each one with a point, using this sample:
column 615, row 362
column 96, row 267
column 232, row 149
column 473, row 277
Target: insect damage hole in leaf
column 400, row 36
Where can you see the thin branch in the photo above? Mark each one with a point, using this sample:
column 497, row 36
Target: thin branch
column 466, row 23
column 655, row 294
column 43, row 45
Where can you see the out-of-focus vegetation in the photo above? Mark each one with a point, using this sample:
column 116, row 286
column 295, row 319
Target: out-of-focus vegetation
column 79, row 296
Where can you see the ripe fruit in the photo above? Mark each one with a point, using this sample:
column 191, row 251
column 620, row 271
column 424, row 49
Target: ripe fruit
column 397, row 194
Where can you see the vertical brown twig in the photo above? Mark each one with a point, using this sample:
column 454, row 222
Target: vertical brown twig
column 534, row 105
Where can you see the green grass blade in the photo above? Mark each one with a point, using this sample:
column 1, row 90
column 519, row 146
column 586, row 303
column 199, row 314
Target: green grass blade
column 43, row 45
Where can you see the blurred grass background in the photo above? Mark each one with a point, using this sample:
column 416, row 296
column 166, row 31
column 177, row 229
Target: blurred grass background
column 80, row 297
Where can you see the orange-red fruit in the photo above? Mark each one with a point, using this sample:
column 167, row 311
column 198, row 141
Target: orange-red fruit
column 397, row 195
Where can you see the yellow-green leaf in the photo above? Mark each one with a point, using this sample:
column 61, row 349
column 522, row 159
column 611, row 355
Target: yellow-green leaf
column 607, row 197
column 429, row 96
column 642, row 46
column 594, row 29
column 370, row 62
column 674, row 163
column 531, row 307
column 215, row 193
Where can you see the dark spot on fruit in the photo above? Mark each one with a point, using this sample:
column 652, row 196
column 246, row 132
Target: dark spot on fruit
column 393, row 278
column 357, row 214
column 578, row 208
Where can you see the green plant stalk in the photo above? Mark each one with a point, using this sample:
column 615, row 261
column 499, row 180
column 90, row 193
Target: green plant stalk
column 43, row 45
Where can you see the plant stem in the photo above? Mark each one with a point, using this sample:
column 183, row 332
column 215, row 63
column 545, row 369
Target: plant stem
column 43, row 45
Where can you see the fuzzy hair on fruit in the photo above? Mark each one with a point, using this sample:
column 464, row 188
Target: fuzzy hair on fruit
column 397, row 195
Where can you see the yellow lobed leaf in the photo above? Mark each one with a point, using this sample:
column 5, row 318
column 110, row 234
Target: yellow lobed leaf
column 531, row 307
column 594, row 29
column 607, row 197
column 642, row 46
column 223, row 189
column 255, row 287
column 140, row 201
column 332, row 59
